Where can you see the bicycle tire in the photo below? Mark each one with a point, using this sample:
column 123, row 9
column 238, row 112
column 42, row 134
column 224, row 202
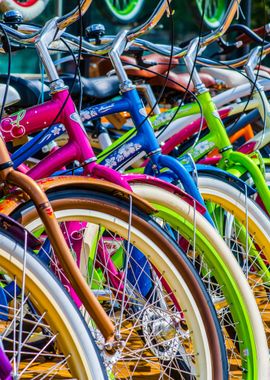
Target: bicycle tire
column 61, row 315
column 236, row 203
column 147, row 237
column 212, row 247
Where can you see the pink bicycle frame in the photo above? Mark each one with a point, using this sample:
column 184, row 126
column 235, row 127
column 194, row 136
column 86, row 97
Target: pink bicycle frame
column 78, row 148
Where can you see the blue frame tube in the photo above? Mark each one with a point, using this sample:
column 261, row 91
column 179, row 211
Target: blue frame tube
column 144, row 140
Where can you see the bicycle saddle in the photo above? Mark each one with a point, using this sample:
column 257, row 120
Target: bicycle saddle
column 154, row 64
column 181, row 80
column 29, row 90
column 231, row 78
column 12, row 95
column 96, row 89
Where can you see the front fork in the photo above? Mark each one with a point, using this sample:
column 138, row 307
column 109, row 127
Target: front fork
column 238, row 158
column 162, row 161
column 229, row 156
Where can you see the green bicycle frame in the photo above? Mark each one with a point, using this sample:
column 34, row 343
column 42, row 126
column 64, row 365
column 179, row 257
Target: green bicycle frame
column 234, row 162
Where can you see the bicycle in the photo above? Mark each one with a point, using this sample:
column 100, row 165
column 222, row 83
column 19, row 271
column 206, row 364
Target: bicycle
column 72, row 217
column 38, row 320
column 141, row 237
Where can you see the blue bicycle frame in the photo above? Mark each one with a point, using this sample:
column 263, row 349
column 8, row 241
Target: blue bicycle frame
column 142, row 142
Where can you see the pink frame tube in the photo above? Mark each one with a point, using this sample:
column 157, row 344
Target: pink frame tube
column 78, row 147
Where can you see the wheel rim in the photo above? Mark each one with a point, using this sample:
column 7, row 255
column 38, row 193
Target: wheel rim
column 234, row 206
column 121, row 8
column 205, row 257
column 119, row 368
column 39, row 344
column 134, row 325
column 214, row 10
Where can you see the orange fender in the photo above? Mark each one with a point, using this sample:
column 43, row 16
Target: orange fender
column 10, row 202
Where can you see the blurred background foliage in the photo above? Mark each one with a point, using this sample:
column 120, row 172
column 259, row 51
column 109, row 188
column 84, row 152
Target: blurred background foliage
column 260, row 12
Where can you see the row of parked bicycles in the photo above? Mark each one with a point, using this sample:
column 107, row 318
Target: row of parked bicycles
column 134, row 209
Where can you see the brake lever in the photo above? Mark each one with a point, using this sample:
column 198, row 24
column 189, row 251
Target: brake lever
column 226, row 47
column 13, row 46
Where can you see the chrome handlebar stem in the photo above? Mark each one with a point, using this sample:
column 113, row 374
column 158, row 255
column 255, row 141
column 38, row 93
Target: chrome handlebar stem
column 133, row 34
column 118, row 47
column 49, row 33
column 23, row 36
column 190, row 58
column 254, row 58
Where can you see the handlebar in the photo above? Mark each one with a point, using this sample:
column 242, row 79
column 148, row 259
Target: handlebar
column 22, row 35
column 106, row 42
column 249, row 35
column 88, row 47
column 27, row 34
column 31, row 33
column 232, row 63
column 71, row 17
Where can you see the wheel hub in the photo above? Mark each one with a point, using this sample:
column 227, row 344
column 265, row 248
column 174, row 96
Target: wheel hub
column 162, row 333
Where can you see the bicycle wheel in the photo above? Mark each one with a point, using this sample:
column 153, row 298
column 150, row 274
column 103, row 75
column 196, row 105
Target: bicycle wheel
column 42, row 332
column 213, row 261
column 162, row 313
column 235, row 215
column 265, row 151
column 213, row 11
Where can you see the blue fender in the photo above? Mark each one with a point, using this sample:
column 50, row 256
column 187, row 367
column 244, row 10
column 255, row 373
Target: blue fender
column 222, row 175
